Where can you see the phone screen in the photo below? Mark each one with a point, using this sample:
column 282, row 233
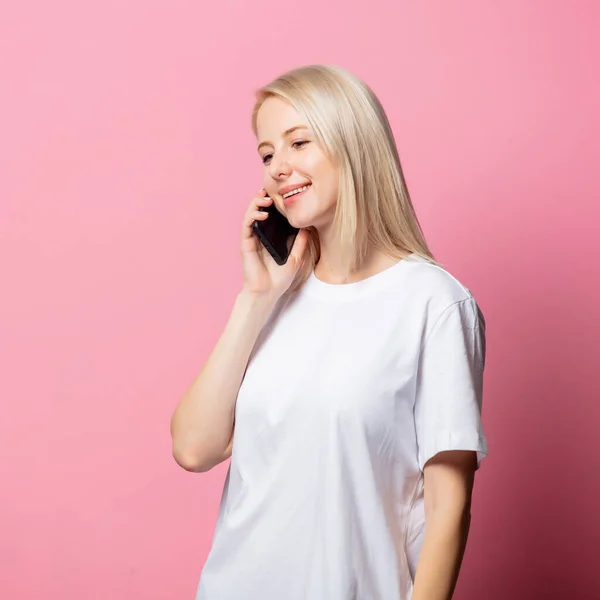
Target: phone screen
column 275, row 233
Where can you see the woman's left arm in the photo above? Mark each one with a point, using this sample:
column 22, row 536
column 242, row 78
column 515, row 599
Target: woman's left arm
column 448, row 484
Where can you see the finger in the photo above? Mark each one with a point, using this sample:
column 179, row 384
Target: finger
column 264, row 201
column 259, row 214
column 259, row 199
column 251, row 216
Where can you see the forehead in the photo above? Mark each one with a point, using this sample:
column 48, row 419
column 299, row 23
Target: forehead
column 274, row 117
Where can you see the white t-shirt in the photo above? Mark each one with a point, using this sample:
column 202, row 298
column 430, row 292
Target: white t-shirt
column 349, row 390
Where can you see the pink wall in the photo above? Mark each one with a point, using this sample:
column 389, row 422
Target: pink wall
column 126, row 163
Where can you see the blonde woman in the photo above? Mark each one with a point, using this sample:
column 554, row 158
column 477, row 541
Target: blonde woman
column 347, row 384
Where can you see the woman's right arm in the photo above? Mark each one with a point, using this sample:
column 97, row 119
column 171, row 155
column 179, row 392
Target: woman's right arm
column 202, row 424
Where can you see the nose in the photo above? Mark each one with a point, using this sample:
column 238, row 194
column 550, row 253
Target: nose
column 280, row 166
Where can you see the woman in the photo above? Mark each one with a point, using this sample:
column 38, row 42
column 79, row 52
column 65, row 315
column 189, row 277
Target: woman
column 353, row 373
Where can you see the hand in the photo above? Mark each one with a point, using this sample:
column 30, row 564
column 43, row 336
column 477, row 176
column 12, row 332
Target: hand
column 262, row 275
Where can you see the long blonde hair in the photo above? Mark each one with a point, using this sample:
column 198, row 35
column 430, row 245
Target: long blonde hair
column 374, row 208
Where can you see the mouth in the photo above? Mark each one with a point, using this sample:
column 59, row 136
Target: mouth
column 294, row 194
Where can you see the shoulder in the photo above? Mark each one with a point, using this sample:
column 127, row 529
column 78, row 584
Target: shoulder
column 439, row 293
column 435, row 283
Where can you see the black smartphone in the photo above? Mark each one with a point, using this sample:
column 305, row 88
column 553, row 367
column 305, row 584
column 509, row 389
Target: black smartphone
column 275, row 233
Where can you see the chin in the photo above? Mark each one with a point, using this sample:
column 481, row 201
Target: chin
column 306, row 218
column 299, row 220
column 300, row 223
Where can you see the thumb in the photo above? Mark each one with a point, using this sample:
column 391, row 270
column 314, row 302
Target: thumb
column 299, row 247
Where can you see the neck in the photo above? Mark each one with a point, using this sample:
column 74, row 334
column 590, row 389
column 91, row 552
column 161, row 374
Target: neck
column 329, row 269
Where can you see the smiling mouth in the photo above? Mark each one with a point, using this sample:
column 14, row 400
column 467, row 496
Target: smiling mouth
column 296, row 191
column 292, row 196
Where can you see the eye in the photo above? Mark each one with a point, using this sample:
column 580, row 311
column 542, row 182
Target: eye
column 302, row 143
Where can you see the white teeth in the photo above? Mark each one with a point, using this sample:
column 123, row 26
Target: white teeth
column 296, row 191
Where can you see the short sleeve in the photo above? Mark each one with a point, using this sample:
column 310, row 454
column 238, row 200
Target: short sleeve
column 449, row 387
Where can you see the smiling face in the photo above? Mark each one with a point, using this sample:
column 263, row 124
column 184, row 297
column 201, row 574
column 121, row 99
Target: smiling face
column 292, row 158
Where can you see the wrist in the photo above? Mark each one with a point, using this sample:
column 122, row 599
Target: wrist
column 256, row 301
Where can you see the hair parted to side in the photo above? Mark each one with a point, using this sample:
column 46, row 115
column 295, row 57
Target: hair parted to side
column 374, row 208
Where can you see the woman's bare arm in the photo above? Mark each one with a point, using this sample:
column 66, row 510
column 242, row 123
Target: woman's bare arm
column 202, row 424
column 449, row 478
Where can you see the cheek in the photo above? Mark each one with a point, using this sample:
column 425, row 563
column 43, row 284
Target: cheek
column 322, row 170
column 329, row 178
column 269, row 185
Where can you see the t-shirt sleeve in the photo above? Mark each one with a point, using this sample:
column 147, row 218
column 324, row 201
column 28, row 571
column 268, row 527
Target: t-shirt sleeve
column 449, row 385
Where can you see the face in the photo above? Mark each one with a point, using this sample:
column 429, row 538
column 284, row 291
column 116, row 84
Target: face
column 292, row 159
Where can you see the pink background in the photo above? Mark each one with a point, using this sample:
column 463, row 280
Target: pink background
column 127, row 161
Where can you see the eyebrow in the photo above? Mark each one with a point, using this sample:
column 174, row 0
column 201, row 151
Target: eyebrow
column 285, row 133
